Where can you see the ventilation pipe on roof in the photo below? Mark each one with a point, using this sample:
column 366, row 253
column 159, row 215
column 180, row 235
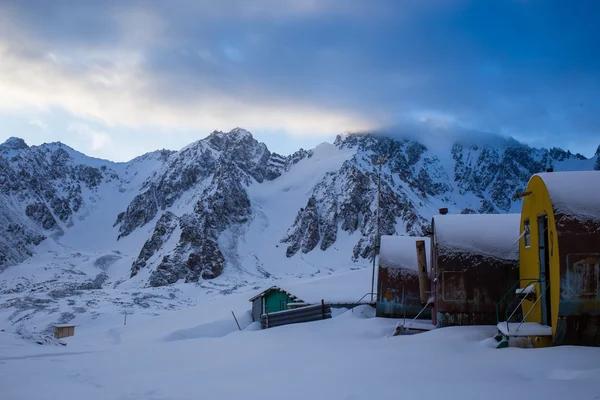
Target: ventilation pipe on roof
column 443, row 211
column 424, row 282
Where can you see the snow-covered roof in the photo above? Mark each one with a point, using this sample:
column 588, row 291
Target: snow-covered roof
column 63, row 325
column 486, row 234
column 275, row 288
column 575, row 192
column 341, row 288
column 401, row 252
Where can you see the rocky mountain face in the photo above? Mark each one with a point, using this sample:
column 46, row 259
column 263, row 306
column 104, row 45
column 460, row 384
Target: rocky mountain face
column 41, row 189
column 481, row 179
column 346, row 200
column 45, row 189
column 191, row 199
column 212, row 175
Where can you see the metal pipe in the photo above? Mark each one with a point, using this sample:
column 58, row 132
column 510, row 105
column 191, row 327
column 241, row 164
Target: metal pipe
column 380, row 161
column 373, row 278
column 236, row 321
column 424, row 282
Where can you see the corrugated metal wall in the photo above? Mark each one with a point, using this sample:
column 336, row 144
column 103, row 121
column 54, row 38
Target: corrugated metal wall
column 579, row 307
column 398, row 294
column 298, row 315
column 469, row 286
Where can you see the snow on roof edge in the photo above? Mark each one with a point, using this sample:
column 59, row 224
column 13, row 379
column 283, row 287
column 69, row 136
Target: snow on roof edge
column 574, row 193
column 491, row 235
column 272, row 288
column 401, row 252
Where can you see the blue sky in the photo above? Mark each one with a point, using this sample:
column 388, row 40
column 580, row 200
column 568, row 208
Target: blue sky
column 115, row 79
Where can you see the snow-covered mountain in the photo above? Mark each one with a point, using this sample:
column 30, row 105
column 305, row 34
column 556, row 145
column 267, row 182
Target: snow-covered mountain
column 82, row 238
column 227, row 201
column 46, row 190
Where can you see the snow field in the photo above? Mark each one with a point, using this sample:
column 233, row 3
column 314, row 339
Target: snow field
column 351, row 356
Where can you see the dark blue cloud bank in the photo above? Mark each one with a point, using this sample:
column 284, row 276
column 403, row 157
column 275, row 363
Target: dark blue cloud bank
column 529, row 69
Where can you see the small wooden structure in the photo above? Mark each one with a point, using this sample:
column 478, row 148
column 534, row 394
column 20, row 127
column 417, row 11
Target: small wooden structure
column 560, row 258
column 63, row 331
column 398, row 283
column 271, row 300
column 474, row 261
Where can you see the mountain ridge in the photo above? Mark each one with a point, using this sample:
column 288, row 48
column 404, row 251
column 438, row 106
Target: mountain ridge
column 189, row 211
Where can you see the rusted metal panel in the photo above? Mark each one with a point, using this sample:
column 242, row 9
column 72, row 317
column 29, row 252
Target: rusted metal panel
column 424, row 281
column 468, row 286
column 581, row 276
column 398, row 294
column 474, row 264
column 579, row 305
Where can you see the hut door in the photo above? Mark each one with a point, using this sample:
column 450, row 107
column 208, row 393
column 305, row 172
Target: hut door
column 544, row 269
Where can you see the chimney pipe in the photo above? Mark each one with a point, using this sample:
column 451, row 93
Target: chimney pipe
column 443, row 211
column 424, row 282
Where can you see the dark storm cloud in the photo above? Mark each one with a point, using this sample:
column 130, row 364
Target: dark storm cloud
column 525, row 68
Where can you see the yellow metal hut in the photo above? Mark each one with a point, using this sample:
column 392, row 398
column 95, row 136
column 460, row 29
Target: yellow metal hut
column 559, row 261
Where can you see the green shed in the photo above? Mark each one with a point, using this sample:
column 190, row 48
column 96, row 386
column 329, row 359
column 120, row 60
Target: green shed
column 272, row 299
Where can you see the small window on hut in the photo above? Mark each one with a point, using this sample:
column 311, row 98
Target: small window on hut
column 526, row 233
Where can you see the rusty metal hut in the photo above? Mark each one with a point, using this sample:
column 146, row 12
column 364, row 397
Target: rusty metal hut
column 474, row 261
column 560, row 260
column 398, row 285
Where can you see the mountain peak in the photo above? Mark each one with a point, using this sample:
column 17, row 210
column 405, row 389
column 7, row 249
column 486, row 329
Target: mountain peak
column 240, row 132
column 12, row 147
column 236, row 134
column 351, row 139
column 233, row 139
column 14, row 143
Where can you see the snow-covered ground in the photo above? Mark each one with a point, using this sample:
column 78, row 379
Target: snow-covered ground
column 199, row 353
column 181, row 342
column 61, row 285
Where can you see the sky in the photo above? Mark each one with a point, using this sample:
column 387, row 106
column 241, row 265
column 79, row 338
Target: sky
column 115, row 79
